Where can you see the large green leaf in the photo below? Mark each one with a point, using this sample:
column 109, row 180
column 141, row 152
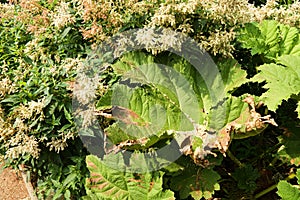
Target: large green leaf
column 250, row 37
column 108, row 183
column 232, row 74
column 283, row 80
column 270, row 39
column 152, row 99
column 181, row 84
column 179, row 88
column 145, row 113
column 171, row 86
column 234, row 108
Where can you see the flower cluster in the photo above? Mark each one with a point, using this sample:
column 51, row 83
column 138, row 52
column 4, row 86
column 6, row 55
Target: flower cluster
column 31, row 110
column 289, row 15
column 157, row 41
column 63, row 17
column 92, row 12
column 59, row 143
column 84, row 88
column 222, row 17
column 15, row 130
column 6, row 87
column 34, row 15
column 219, row 42
column 22, row 144
column 102, row 19
column 7, row 11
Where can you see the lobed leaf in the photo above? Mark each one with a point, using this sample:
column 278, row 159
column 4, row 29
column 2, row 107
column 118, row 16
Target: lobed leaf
column 270, row 39
column 283, row 80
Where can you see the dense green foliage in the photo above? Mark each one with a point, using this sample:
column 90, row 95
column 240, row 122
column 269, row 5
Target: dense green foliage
column 241, row 131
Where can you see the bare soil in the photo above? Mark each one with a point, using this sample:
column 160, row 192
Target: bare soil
column 12, row 186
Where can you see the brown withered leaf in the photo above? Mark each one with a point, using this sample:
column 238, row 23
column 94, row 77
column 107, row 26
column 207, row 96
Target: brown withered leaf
column 249, row 123
column 128, row 116
column 224, row 139
column 125, row 115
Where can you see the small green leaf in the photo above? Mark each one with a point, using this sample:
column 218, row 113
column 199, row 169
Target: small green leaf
column 70, row 178
column 298, row 176
column 48, row 100
column 66, row 31
column 67, row 194
column 287, row 191
column 68, row 115
column 57, row 195
column 196, row 142
column 65, row 127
